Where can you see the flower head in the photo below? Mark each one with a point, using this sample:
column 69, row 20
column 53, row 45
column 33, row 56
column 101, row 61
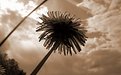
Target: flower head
column 62, row 32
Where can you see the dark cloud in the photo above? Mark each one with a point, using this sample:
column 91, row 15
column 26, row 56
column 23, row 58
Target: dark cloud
column 25, row 2
column 65, row 6
column 78, row 1
column 96, row 34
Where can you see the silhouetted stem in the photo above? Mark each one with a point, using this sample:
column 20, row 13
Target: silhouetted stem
column 39, row 66
column 3, row 41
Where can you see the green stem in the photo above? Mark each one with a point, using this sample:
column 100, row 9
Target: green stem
column 3, row 41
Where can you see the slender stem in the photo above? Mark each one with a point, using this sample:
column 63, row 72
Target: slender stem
column 39, row 66
column 3, row 41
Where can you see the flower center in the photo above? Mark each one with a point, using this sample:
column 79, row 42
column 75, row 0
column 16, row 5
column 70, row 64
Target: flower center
column 62, row 30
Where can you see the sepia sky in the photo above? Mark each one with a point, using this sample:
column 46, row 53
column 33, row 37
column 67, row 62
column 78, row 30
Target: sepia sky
column 101, row 54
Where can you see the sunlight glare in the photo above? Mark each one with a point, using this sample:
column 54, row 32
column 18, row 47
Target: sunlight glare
column 22, row 9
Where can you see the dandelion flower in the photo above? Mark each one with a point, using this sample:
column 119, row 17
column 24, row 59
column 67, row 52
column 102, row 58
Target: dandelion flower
column 62, row 32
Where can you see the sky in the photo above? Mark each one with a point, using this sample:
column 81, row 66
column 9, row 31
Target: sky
column 100, row 56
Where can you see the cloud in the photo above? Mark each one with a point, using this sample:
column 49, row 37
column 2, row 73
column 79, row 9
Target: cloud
column 66, row 6
column 101, row 62
column 106, row 61
column 6, row 25
column 25, row 47
column 21, row 44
